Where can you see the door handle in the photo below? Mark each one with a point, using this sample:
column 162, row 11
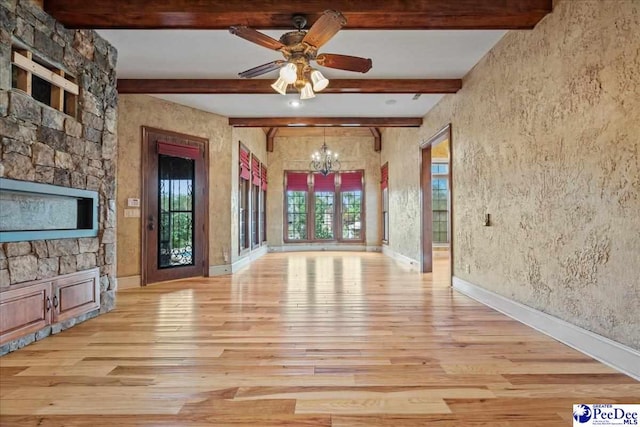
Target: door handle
column 48, row 304
column 55, row 301
column 151, row 224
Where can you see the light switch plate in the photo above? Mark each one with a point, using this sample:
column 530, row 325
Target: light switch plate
column 133, row 202
column 132, row 213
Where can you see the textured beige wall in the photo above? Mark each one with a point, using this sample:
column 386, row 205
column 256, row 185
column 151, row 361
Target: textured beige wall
column 255, row 140
column 294, row 153
column 135, row 111
column 546, row 138
column 401, row 149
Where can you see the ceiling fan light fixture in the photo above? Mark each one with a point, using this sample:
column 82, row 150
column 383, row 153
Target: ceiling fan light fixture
column 319, row 81
column 280, row 86
column 307, row 92
column 289, row 73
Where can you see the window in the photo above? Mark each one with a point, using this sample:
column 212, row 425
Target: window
column 318, row 210
column 256, row 184
column 43, row 82
column 440, row 201
column 351, row 205
column 324, row 192
column 296, row 202
column 243, row 200
column 384, row 184
column 263, row 204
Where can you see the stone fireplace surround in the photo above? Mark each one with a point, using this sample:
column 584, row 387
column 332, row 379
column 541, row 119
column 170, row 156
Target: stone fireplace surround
column 41, row 144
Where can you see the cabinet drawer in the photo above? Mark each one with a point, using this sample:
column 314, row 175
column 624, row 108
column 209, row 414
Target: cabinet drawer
column 24, row 311
column 75, row 295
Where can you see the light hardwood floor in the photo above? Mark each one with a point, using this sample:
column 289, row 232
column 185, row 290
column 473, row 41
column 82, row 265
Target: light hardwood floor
column 303, row 339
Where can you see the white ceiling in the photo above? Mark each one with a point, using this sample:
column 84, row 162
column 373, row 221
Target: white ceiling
column 218, row 54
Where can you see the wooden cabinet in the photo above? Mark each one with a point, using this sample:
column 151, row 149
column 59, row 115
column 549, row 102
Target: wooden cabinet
column 75, row 295
column 24, row 311
column 38, row 304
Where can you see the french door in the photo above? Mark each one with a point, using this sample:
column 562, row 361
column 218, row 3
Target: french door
column 175, row 206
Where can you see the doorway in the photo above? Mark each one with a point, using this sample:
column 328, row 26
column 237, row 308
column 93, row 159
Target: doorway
column 175, row 206
column 436, row 217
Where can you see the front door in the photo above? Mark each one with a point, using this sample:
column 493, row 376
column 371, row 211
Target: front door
column 175, row 206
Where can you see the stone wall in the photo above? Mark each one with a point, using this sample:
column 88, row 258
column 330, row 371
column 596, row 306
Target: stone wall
column 293, row 152
column 42, row 144
column 546, row 139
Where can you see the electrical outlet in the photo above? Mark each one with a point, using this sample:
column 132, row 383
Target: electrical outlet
column 467, row 268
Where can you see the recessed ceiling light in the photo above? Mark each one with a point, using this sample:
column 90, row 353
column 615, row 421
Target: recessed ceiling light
column 295, row 103
column 390, row 101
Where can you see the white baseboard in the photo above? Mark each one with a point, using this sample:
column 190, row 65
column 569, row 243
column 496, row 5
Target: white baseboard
column 219, row 270
column 129, row 282
column 410, row 262
column 337, row 247
column 609, row 352
column 224, row 269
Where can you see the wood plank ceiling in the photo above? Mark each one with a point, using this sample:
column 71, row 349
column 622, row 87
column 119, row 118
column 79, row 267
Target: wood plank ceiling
column 267, row 14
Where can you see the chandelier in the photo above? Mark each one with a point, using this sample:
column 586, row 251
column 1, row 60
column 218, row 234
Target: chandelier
column 306, row 80
column 324, row 161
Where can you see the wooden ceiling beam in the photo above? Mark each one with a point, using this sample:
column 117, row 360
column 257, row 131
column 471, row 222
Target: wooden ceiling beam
column 267, row 14
column 377, row 139
column 263, row 86
column 270, row 137
column 276, row 122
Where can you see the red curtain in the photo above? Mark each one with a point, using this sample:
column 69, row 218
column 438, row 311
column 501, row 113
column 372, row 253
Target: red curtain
column 264, row 177
column 255, row 168
column 351, row 181
column 324, row 183
column 297, row 181
column 244, row 164
column 178, row 150
column 384, row 174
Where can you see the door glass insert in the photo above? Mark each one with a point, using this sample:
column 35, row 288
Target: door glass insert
column 176, row 211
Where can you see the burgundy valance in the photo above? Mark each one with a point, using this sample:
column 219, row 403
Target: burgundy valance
column 263, row 169
column 178, row 150
column 244, row 164
column 297, row 181
column 384, row 175
column 351, row 181
column 324, row 183
column 255, row 171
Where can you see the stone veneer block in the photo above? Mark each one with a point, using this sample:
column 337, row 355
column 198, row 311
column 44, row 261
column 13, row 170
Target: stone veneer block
column 14, row 249
column 23, row 268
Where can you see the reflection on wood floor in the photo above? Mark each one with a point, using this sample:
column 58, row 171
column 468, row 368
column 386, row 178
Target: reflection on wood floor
column 303, row 339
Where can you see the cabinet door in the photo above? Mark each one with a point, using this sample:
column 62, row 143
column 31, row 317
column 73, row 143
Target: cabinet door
column 75, row 294
column 24, row 311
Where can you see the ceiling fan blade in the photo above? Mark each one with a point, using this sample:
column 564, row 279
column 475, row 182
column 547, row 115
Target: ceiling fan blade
column 344, row 62
column 262, row 69
column 256, row 37
column 324, row 28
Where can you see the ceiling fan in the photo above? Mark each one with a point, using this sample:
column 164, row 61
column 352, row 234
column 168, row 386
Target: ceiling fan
column 299, row 48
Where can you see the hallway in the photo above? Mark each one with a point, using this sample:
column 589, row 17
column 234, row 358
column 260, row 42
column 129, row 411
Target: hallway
column 303, row 339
